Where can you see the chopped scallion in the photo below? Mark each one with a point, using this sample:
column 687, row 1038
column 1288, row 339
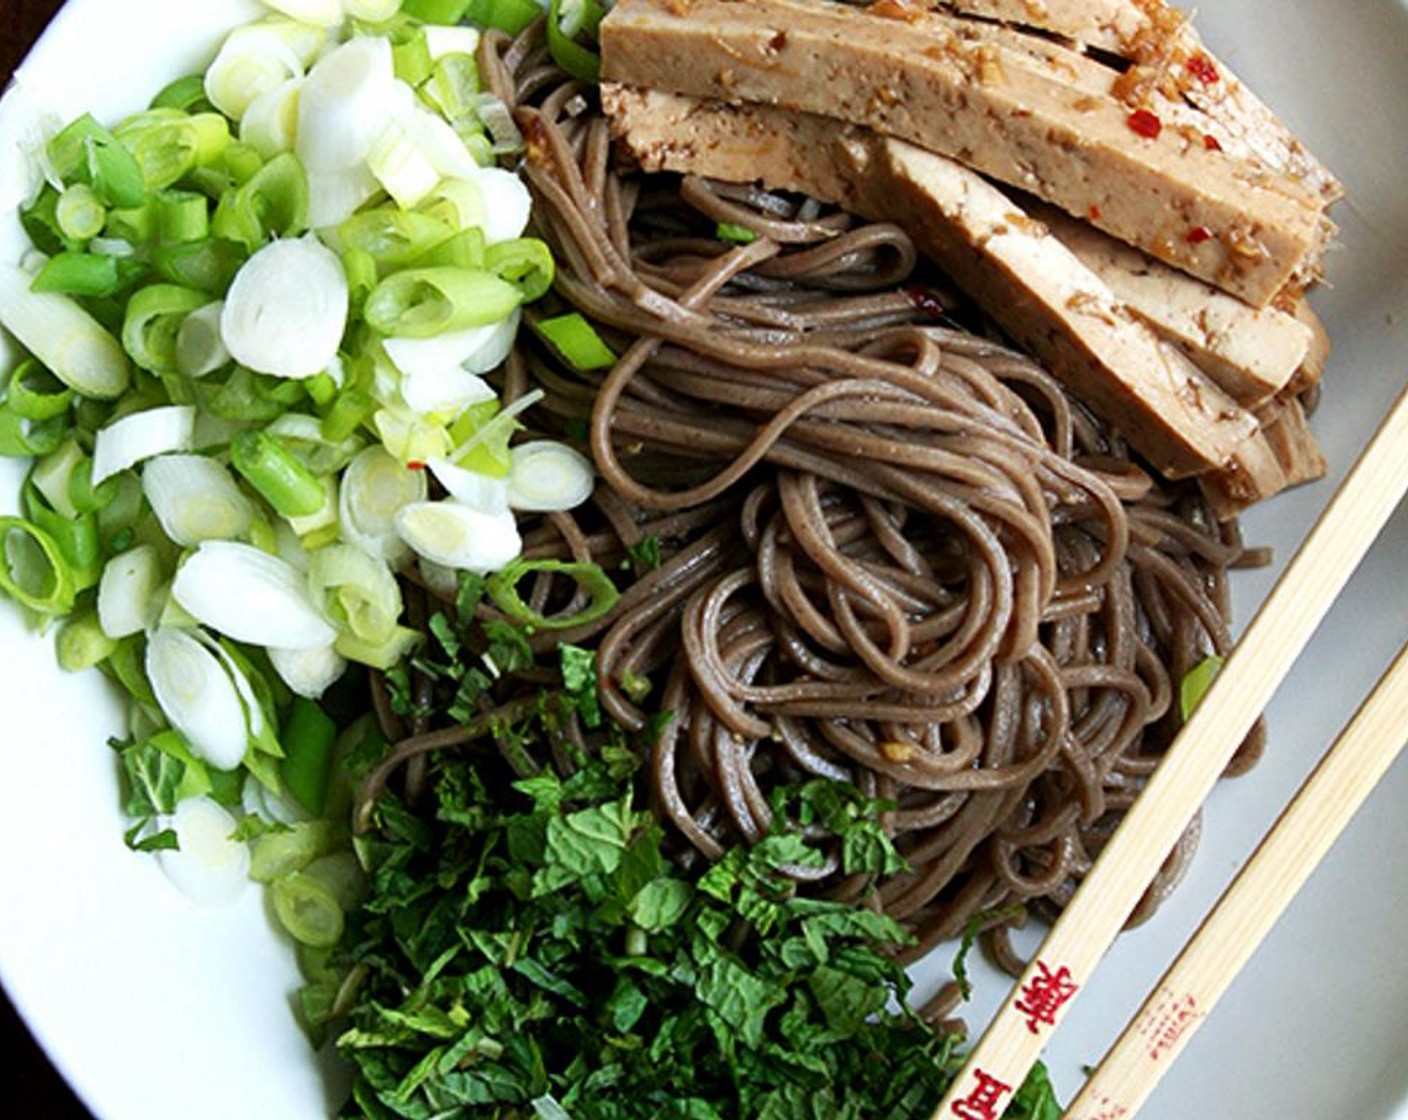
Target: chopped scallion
column 69, row 342
column 195, row 499
column 577, row 341
column 153, row 323
column 81, row 643
column 422, row 302
column 33, row 570
column 286, row 309
column 36, row 394
column 502, row 589
column 80, row 213
column 285, row 483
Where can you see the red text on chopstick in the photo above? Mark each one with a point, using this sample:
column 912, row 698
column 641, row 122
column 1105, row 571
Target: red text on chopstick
column 984, row 1102
column 1044, row 995
column 1167, row 1021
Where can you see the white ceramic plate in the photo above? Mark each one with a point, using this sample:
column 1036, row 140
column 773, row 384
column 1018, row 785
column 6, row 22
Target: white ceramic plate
column 155, row 1010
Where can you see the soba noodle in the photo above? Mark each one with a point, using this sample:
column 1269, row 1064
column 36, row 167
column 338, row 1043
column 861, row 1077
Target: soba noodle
column 891, row 552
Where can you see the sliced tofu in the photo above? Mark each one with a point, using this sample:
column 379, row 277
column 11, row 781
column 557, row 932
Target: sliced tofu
column 1313, row 368
column 1135, row 30
column 1253, row 474
column 1252, row 353
column 952, row 89
column 1285, row 425
column 1106, row 24
column 1295, row 458
column 1011, row 264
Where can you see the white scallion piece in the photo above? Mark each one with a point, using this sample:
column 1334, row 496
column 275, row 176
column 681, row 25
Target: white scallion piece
column 458, row 202
column 409, row 436
column 200, row 349
column 195, row 691
column 349, row 96
column 374, row 488
column 357, row 589
column 53, row 474
column 253, row 711
column 545, row 476
column 497, row 118
column 127, row 591
column 141, row 435
column 270, row 124
column 401, row 166
column 506, row 204
column 334, row 196
column 452, row 534
column 441, row 40
column 196, row 499
column 471, row 488
column 434, row 136
column 250, row 596
column 64, row 337
column 287, row 308
column 252, row 61
column 473, row 350
column 209, row 867
column 309, row 672
column 264, row 803
column 449, row 390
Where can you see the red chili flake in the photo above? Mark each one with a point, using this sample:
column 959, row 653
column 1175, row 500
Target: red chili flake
column 1145, row 123
column 1211, row 142
column 1093, row 213
column 1202, row 68
column 926, row 302
column 1198, row 234
column 415, row 465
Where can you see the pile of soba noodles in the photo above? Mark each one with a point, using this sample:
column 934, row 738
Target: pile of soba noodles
column 852, row 539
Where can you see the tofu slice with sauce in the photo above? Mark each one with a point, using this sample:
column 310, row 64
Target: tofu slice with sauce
column 951, row 88
column 1149, row 32
column 1252, row 353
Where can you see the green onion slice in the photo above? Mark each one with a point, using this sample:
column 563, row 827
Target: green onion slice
column 1196, row 682
column 153, row 323
column 285, row 483
column 86, row 152
column 80, row 213
column 35, row 393
column 567, row 19
column 524, row 262
column 502, row 589
column 33, row 570
column 422, row 302
column 577, row 341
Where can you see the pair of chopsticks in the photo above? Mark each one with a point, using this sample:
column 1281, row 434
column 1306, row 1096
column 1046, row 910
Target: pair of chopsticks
column 1079, row 939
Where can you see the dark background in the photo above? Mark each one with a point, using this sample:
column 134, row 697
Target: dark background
column 33, row 1090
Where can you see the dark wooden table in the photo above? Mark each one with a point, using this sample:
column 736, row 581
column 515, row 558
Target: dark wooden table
column 33, row 1091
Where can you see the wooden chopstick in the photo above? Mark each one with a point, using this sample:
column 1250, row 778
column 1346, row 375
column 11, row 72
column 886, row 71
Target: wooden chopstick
column 1079, row 939
column 1253, row 903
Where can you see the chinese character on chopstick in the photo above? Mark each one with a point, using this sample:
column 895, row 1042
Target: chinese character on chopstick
column 983, row 1102
column 1045, row 995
